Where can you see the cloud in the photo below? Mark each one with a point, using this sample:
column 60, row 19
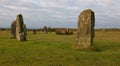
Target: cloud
column 59, row 13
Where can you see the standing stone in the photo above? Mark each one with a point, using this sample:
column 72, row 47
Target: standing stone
column 45, row 29
column 13, row 29
column 20, row 28
column 85, row 32
column 34, row 31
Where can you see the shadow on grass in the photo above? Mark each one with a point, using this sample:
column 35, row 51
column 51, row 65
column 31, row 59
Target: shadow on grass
column 95, row 49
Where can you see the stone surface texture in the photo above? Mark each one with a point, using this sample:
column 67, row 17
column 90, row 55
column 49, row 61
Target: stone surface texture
column 85, row 32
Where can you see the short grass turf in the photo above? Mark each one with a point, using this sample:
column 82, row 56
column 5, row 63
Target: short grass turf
column 56, row 50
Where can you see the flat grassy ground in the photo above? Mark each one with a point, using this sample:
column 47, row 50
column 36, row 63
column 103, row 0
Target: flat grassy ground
column 56, row 50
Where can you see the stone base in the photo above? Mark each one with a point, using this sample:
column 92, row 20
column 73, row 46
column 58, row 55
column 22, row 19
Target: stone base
column 78, row 47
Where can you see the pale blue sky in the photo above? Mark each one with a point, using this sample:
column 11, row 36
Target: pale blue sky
column 59, row 13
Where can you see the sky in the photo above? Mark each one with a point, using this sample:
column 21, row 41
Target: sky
column 59, row 13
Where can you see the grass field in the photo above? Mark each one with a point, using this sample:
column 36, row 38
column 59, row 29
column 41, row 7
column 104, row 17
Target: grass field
column 56, row 50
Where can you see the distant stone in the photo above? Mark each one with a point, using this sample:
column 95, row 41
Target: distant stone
column 64, row 31
column 45, row 29
column 85, row 32
column 20, row 28
column 34, row 31
column 49, row 29
column 13, row 29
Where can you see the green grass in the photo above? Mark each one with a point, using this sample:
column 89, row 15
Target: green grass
column 56, row 50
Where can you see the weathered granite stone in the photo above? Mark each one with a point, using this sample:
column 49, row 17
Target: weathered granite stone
column 85, row 32
column 20, row 28
column 13, row 29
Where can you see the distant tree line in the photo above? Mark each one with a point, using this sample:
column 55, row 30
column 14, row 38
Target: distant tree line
column 108, row 29
column 71, row 29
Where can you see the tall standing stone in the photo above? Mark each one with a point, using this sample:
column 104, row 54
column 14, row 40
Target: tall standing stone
column 20, row 28
column 85, row 32
column 13, row 29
